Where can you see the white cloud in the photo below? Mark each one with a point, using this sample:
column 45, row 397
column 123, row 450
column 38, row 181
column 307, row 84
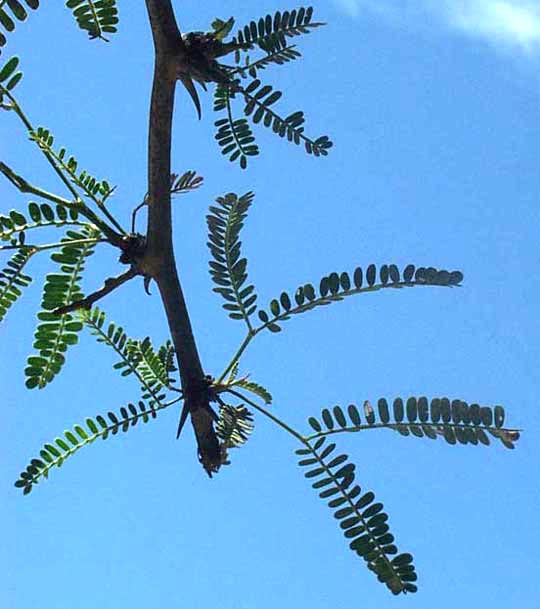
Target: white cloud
column 355, row 7
column 352, row 7
column 511, row 24
column 508, row 22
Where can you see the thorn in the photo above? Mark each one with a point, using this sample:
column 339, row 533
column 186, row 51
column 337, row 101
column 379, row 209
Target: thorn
column 183, row 418
column 147, row 281
column 190, row 88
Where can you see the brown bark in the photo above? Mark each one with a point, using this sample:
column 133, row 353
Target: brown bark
column 158, row 261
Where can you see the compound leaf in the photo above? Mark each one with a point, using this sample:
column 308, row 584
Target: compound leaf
column 13, row 280
column 95, row 17
column 361, row 519
column 337, row 286
column 11, row 12
column 55, row 333
column 453, row 420
column 55, row 453
column 228, row 269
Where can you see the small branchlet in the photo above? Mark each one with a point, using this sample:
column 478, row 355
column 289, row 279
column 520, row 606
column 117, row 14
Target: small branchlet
column 111, row 284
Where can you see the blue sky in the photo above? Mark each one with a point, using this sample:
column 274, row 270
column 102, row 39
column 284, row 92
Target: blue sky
column 434, row 111
column 514, row 24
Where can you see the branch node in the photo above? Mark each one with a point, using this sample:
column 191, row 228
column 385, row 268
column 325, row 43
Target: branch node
column 133, row 247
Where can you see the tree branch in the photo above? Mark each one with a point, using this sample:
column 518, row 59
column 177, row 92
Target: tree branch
column 165, row 30
column 110, row 285
column 158, row 261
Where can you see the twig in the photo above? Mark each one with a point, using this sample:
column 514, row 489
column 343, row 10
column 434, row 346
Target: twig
column 110, row 284
column 268, row 414
column 55, row 161
column 136, row 211
column 25, row 187
column 187, row 182
column 24, row 119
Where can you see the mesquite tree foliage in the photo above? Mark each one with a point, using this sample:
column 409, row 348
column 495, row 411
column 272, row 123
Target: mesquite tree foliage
column 84, row 223
column 272, row 37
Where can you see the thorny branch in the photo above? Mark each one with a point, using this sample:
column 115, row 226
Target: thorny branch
column 152, row 256
column 158, row 262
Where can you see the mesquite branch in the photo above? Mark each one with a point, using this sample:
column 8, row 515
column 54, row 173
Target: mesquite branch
column 110, row 284
column 158, row 261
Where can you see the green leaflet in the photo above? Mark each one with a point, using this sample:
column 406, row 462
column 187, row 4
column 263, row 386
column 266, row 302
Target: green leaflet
column 270, row 33
column 95, row 17
column 453, row 420
column 186, row 182
column 13, row 280
column 221, row 29
column 234, row 425
column 234, row 136
column 151, row 368
column 233, row 373
column 55, row 333
column 362, row 520
column 254, row 388
column 278, row 57
column 10, row 13
column 9, row 78
column 337, row 286
column 97, row 190
column 227, row 269
column 54, row 454
column 258, row 101
column 15, row 224
column 166, row 354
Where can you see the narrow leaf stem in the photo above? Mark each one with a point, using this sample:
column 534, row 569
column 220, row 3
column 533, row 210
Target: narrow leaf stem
column 95, row 19
column 131, row 420
column 27, row 188
column 97, row 331
column 77, row 202
column 261, row 104
column 396, row 426
column 230, row 265
column 110, row 217
column 358, row 513
column 56, row 344
column 271, row 416
column 262, row 61
column 329, row 298
column 231, row 123
column 237, row 355
column 49, row 246
column 288, row 31
column 100, row 203
column 26, row 122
